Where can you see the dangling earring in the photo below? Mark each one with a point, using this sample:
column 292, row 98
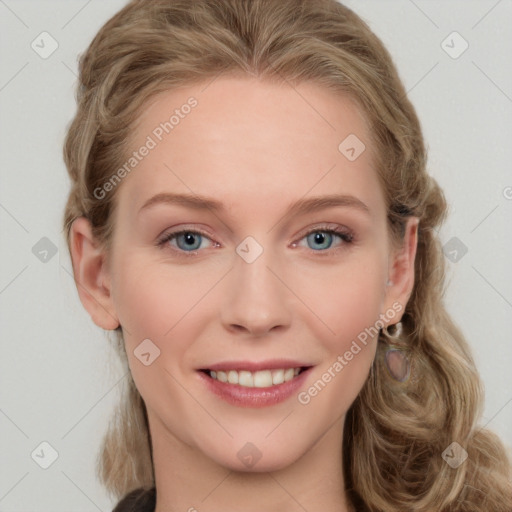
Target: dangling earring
column 397, row 362
column 397, row 331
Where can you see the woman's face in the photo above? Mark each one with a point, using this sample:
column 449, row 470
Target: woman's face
column 258, row 281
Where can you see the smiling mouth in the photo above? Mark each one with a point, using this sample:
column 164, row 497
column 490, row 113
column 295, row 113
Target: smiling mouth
column 258, row 379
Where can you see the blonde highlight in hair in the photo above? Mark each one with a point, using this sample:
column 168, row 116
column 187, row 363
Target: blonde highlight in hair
column 395, row 432
column 125, row 459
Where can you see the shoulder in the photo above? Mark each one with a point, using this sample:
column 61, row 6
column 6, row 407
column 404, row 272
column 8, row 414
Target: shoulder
column 138, row 500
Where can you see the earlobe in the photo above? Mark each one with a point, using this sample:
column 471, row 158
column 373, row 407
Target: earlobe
column 91, row 276
column 401, row 269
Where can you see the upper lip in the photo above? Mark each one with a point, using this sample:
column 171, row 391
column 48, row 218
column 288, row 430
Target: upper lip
column 254, row 366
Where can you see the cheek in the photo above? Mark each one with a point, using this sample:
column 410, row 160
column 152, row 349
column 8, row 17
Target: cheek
column 163, row 305
column 153, row 300
column 346, row 298
column 351, row 312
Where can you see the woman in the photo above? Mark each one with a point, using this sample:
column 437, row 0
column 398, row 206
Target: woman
column 251, row 214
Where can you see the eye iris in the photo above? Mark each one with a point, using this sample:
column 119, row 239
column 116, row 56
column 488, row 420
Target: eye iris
column 320, row 237
column 192, row 240
column 189, row 239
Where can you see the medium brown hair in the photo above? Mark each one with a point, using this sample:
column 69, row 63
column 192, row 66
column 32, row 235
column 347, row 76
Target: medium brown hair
column 395, row 432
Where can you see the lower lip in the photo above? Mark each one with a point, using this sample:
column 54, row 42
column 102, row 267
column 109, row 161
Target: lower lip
column 243, row 396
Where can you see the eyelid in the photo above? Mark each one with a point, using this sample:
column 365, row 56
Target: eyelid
column 339, row 230
column 168, row 235
column 328, row 226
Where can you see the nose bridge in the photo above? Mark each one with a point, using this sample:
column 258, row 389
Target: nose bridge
column 256, row 299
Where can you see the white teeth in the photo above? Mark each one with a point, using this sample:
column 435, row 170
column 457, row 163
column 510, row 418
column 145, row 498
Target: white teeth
column 277, row 376
column 245, row 379
column 288, row 374
column 263, row 379
column 259, row 379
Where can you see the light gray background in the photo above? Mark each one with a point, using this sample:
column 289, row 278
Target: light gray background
column 59, row 379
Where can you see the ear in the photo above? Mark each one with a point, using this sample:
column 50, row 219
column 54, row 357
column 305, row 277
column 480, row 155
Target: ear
column 91, row 276
column 401, row 269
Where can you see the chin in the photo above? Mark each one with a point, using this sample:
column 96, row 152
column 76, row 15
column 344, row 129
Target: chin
column 251, row 459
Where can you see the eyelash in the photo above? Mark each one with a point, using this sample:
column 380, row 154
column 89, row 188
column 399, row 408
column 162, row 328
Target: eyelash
column 346, row 236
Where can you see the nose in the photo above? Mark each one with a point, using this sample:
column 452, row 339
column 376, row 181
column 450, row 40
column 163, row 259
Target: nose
column 255, row 300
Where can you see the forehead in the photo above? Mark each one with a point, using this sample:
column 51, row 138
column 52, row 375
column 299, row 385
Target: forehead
column 244, row 140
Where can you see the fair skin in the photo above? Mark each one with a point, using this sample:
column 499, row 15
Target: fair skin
column 256, row 147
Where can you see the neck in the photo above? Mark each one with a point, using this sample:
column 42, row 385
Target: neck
column 187, row 480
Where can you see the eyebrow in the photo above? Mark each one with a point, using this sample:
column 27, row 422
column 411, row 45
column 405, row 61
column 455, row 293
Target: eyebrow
column 302, row 206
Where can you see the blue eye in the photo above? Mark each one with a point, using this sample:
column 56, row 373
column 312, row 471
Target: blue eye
column 190, row 240
column 323, row 238
column 187, row 242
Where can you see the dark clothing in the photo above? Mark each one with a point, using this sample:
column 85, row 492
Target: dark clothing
column 139, row 500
